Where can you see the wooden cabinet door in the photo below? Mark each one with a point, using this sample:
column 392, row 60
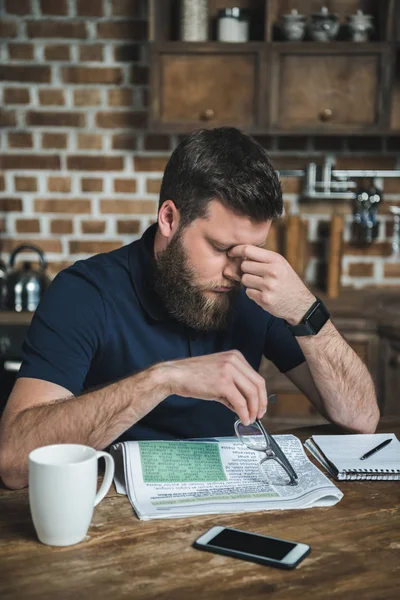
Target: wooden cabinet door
column 318, row 88
column 206, row 86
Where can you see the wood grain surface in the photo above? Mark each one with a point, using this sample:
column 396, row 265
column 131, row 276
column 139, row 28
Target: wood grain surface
column 355, row 551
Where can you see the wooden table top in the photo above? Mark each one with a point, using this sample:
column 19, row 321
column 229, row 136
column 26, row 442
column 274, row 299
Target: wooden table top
column 355, row 551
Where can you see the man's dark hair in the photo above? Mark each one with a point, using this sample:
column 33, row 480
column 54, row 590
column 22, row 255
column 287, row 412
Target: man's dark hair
column 225, row 164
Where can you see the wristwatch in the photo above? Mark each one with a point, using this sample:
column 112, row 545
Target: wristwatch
column 313, row 321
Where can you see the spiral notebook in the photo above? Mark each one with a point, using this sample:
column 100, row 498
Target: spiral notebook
column 341, row 455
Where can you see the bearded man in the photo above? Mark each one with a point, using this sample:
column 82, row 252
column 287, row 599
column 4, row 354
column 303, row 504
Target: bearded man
column 163, row 338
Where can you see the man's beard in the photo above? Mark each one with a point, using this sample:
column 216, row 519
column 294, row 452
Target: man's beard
column 185, row 300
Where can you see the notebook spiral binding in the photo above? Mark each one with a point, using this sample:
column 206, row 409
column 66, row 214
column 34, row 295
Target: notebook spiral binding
column 370, row 474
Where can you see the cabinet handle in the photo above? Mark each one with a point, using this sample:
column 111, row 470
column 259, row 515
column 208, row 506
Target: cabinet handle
column 326, row 115
column 207, row 115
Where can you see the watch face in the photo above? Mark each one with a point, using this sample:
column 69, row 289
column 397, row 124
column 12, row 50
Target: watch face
column 318, row 318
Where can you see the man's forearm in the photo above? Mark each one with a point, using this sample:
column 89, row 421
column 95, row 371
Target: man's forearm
column 342, row 379
column 94, row 419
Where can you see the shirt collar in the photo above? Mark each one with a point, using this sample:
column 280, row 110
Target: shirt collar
column 142, row 267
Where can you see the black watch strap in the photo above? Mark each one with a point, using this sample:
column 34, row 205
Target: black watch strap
column 313, row 321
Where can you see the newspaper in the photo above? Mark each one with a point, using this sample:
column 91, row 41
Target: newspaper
column 165, row 479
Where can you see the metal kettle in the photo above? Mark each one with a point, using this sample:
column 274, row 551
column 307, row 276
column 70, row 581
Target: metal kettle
column 25, row 285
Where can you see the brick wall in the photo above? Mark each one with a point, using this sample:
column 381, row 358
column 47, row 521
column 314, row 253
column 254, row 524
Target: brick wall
column 80, row 173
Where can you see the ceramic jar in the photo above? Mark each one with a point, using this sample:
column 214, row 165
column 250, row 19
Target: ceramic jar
column 194, row 20
column 293, row 26
column 324, row 26
column 360, row 26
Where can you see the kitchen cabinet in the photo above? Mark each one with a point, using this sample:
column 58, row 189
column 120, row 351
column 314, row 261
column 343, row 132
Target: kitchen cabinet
column 345, row 87
column 267, row 85
column 198, row 87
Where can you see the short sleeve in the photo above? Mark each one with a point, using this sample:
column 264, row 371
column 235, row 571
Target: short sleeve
column 281, row 347
column 66, row 332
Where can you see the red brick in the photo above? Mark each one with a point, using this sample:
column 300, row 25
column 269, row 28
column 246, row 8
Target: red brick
column 126, row 8
column 16, row 96
column 93, row 247
column 29, row 161
column 89, row 8
column 7, row 118
column 128, row 227
column 95, row 163
column 54, row 7
column 125, row 186
column 91, row 52
column 54, row 267
column 62, row 226
column 57, row 29
column 87, row 97
column 46, row 245
column 361, row 269
column 70, row 205
column 149, row 163
column 392, row 270
column 21, row 51
column 10, row 205
column 365, row 162
column 55, row 119
column 33, row 74
column 8, row 29
column 156, row 142
column 139, row 75
column 118, row 30
column 375, row 249
column 54, row 140
column 18, row 7
column 27, row 226
column 125, row 206
column 20, row 139
column 59, row 184
column 153, row 186
column 89, row 184
column 25, row 184
column 121, row 119
column 93, row 226
column 51, row 97
column 90, row 141
column 93, row 75
column 120, row 97
column 57, row 52
column 127, row 53
column 124, row 141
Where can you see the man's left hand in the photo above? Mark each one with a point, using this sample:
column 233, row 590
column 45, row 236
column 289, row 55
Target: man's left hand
column 272, row 283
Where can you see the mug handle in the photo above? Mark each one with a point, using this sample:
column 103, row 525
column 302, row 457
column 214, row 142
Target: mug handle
column 108, row 476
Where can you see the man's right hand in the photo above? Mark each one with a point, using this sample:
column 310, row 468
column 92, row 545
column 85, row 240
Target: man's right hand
column 225, row 377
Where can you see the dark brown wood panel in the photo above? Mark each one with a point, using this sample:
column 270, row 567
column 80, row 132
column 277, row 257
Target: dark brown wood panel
column 325, row 91
column 203, row 89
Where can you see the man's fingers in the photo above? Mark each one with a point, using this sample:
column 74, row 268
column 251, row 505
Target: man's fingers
column 252, row 253
column 261, row 390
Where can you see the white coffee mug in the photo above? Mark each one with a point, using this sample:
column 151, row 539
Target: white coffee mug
column 62, row 491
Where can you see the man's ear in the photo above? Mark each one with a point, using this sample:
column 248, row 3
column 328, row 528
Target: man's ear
column 168, row 219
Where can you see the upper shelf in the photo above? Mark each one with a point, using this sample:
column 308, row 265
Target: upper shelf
column 265, row 17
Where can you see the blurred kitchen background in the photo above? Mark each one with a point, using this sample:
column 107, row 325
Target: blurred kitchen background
column 95, row 94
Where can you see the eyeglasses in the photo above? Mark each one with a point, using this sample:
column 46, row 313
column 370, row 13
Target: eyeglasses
column 274, row 467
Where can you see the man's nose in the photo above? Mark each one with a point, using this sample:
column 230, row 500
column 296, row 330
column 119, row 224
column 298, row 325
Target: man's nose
column 233, row 269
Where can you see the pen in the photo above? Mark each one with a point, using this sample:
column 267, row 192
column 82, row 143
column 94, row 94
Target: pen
column 371, row 452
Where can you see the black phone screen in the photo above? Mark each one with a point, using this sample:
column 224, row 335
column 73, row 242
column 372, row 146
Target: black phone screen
column 251, row 543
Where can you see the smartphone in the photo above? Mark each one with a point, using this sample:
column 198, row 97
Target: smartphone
column 258, row 548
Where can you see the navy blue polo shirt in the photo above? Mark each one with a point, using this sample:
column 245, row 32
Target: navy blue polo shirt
column 101, row 320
